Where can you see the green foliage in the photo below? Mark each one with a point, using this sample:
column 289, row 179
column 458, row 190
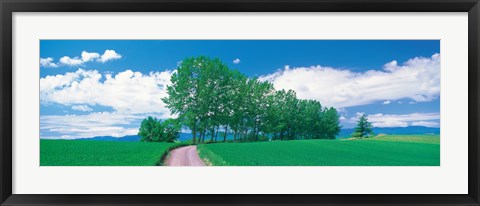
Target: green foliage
column 210, row 99
column 154, row 130
column 101, row 153
column 407, row 150
column 363, row 128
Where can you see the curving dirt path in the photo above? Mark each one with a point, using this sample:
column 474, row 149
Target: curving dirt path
column 184, row 156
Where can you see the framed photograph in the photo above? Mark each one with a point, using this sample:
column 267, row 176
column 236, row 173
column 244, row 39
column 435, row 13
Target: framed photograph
column 239, row 102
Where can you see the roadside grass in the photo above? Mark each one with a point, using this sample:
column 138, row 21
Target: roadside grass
column 102, row 153
column 389, row 150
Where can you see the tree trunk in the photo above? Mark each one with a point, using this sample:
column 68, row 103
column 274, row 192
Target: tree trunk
column 203, row 136
column 212, row 131
column 216, row 133
column 258, row 131
column 194, row 133
column 255, row 131
column 246, row 134
column 225, row 135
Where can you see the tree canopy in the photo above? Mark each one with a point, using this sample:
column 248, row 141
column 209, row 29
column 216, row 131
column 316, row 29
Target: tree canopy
column 209, row 97
column 363, row 128
column 154, row 130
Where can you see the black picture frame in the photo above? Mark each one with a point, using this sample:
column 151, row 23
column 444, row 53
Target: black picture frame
column 7, row 7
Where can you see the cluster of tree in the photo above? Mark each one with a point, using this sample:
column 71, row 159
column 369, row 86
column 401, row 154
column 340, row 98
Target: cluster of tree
column 363, row 128
column 209, row 99
column 155, row 130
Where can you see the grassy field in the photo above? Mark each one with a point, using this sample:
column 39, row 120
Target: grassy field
column 389, row 150
column 428, row 139
column 101, row 153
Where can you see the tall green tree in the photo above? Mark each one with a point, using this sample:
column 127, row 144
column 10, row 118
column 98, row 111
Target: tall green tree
column 155, row 130
column 331, row 123
column 171, row 130
column 209, row 99
column 184, row 92
column 363, row 128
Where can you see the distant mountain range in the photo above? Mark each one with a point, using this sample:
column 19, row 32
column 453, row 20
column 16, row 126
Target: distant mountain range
column 394, row 130
column 343, row 133
column 129, row 138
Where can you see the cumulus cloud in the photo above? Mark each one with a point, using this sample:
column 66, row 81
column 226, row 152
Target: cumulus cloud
column 87, row 56
column 75, row 61
column 236, row 61
column 387, row 102
column 426, row 124
column 400, row 120
column 132, row 95
column 109, row 55
column 83, row 108
column 47, row 62
column 127, row 92
column 94, row 124
column 417, row 79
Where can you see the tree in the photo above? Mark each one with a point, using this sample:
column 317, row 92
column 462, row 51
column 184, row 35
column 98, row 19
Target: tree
column 154, row 130
column 209, row 99
column 363, row 128
column 149, row 130
column 183, row 94
column 331, row 125
column 171, row 129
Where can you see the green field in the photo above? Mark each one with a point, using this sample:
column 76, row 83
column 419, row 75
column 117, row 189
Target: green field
column 389, row 150
column 101, row 153
column 429, row 139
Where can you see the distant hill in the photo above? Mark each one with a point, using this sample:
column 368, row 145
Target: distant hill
column 395, row 130
column 343, row 133
column 129, row 138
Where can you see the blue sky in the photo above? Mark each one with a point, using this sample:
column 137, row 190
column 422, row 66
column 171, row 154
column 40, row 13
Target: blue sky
column 104, row 87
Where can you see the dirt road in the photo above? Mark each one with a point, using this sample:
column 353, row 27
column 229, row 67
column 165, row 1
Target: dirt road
column 184, row 156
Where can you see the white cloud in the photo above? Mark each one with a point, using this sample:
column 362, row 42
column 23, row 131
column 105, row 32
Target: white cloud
column 83, row 108
column 86, row 56
column 47, row 62
column 399, row 120
column 236, row 61
column 75, row 61
column 417, row 79
column 126, row 92
column 109, row 55
column 426, row 124
column 387, row 102
column 390, row 123
column 94, row 124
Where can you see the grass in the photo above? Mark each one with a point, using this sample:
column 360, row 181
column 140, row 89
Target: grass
column 101, row 153
column 428, row 139
column 389, row 150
